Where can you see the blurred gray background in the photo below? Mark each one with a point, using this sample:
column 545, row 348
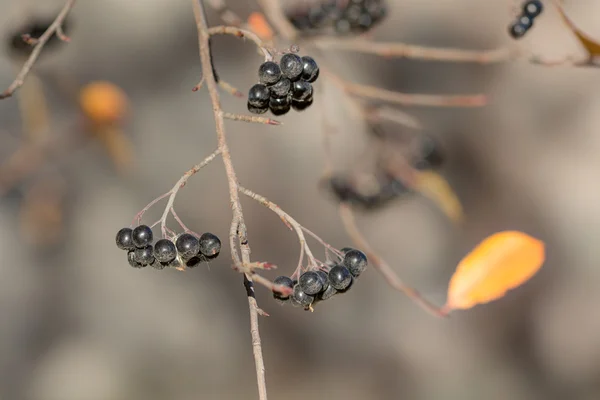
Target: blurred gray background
column 77, row 323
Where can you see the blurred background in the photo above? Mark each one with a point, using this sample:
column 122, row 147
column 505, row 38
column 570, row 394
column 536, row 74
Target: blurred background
column 77, row 323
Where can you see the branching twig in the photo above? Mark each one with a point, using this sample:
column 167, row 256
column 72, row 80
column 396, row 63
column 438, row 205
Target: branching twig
column 242, row 33
column 388, row 273
column 55, row 27
column 251, row 118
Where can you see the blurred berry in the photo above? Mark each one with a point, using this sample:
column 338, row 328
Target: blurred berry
column 520, row 28
column 291, row 66
column 210, row 245
column 340, row 277
column 142, row 236
column 269, row 73
column 165, row 250
column 533, row 8
column 356, row 262
column 187, row 246
column 124, row 239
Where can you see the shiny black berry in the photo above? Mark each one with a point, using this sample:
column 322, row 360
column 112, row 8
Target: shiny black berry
column 145, row 255
column 301, row 105
column 258, row 96
column 299, row 297
column 340, row 277
column 284, row 281
column 356, row 262
column 257, row 110
column 279, row 105
column 533, row 8
column 124, row 239
column 165, row 250
column 310, row 282
column 281, row 88
column 187, row 245
column 210, row 245
column 269, row 73
column 291, row 66
column 302, row 90
column 327, row 293
column 310, row 69
column 520, row 28
column 131, row 260
column 142, row 236
column 324, row 279
column 195, row 261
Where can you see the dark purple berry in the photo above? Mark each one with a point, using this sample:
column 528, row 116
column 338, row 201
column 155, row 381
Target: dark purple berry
column 284, row 281
column 520, row 28
column 327, row 293
column 356, row 262
column 291, row 66
column 310, row 282
column 279, row 105
column 131, row 260
column 340, row 277
column 145, row 255
column 187, row 246
column 124, row 239
column 310, row 69
column 158, row 265
column 165, row 250
column 210, row 245
column 257, row 110
column 324, row 279
column 533, row 8
column 258, row 96
column 142, row 236
column 194, row 261
column 299, row 297
column 269, row 73
column 301, row 105
column 281, row 88
column 302, row 90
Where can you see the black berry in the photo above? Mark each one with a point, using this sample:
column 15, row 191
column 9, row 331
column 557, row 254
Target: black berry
column 533, row 8
column 210, row 245
column 124, row 239
column 302, row 90
column 269, row 73
column 284, row 281
column 301, row 105
column 324, row 279
column 194, row 261
column 187, row 246
column 299, row 297
column 310, row 69
column 158, row 265
column 258, row 96
column 279, row 105
column 356, row 262
column 327, row 293
column 281, row 88
column 340, row 277
column 346, row 249
column 142, row 236
column 165, row 250
column 131, row 260
column 145, row 255
column 257, row 110
column 520, row 28
column 310, row 282
column 291, row 66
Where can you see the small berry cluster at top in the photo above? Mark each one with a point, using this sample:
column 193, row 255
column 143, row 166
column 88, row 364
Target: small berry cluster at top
column 531, row 9
column 284, row 85
column 186, row 251
column 321, row 284
column 344, row 16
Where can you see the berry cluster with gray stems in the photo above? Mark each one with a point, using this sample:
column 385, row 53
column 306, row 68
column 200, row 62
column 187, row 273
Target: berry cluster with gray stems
column 284, row 85
column 316, row 285
column 531, row 10
column 186, row 250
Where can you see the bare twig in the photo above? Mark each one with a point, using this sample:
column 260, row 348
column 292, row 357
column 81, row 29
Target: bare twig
column 251, row 118
column 238, row 227
column 242, row 33
column 55, row 27
column 388, row 273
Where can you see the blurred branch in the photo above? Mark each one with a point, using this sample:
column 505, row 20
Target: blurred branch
column 274, row 13
column 55, row 27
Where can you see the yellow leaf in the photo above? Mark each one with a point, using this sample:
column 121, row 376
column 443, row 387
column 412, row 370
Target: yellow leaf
column 501, row 262
column 436, row 188
column 590, row 45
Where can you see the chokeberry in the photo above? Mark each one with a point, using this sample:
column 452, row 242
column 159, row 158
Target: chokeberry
column 258, row 95
column 158, row 265
column 291, row 66
column 187, row 246
column 301, row 298
column 310, row 69
column 340, row 277
column 165, row 250
column 327, row 293
column 310, row 282
column 302, row 90
column 284, row 281
column 210, row 245
column 142, row 236
column 132, row 261
column 356, row 262
column 124, row 239
column 520, row 28
column 269, row 73
column 281, row 88
column 194, row 261
column 533, row 8
column 324, row 278
column 145, row 255
column 257, row 110
column 279, row 105
column 301, row 105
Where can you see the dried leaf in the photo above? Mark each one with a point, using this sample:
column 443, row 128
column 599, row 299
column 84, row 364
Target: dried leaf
column 259, row 25
column 592, row 46
column 435, row 187
column 501, row 262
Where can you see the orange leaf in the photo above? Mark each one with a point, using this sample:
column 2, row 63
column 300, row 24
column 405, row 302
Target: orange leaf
column 590, row 45
column 259, row 25
column 501, row 262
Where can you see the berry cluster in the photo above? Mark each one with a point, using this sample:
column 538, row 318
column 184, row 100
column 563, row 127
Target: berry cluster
column 187, row 250
column 531, row 9
column 284, row 85
column 321, row 284
column 344, row 16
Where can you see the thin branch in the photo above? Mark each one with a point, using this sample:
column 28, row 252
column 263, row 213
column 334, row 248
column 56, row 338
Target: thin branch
column 242, row 33
column 55, row 27
column 388, row 273
column 388, row 96
column 251, row 118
